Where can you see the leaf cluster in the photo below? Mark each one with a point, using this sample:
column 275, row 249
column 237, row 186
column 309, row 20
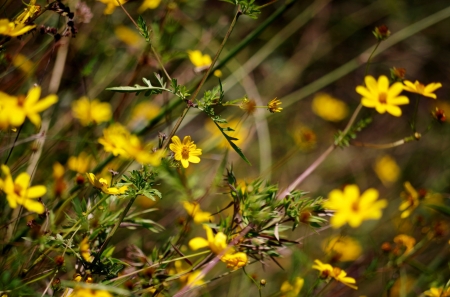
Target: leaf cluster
column 342, row 139
column 247, row 7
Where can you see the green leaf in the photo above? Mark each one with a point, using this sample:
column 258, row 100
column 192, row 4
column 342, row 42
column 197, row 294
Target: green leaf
column 440, row 208
column 230, row 140
column 143, row 29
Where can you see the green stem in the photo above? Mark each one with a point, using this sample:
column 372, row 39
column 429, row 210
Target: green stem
column 370, row 58
column 14, row 144
column 253, row 280
column 111, row 234
column 205, row 76
column 414, row 121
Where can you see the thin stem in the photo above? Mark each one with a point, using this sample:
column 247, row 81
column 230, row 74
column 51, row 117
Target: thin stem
column 253, row 280
column 370, row 58
column 386, row 145
column 205, row 76
column 14, row 144
column 111, row 234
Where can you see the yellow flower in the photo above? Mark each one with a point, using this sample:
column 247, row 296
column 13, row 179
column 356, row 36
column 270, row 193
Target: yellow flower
column 235, row 261
column 273, row 106
column 217, row 138
column 342, row 248
column 128, row 36
column 29, row 106
column 58, row 176
column 111, row 5
column 81, row 163
column 198, row 59
column 292, row 290
column 145, row 111
column 11, row 29
column 194, row 280
column 411, row 202
column 148, row 4
column 28, row 12
column 305, row 138
column 84, row 250
column 405, row 241
column 102, row 184
column 387, row 169
column 196, row 213
column 421, row 89
column 381, row 96
column 22, row 62
column 114, row 139
column 87, row 292
column 327, row 271
column 185, row 152
column 217, row 243
column 437, row 292
column 352, row 208
column 329, row 108
column 18, row 192
column 89, row 112
column 217, row 73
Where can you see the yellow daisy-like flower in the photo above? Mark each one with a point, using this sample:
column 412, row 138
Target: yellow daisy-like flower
column 114, row 140
column 437, row 292
column 405, row 242
column 22, row 107
column 87, row 292
column 81, row 163
column 273, row 106
column 111, row 5
column 329, row 108
column 352, row 208
column 185, row 151
column 102, row 184
column 196, row 213
column 198, row 59
column 327, row 272
column 217, row 243
column 292, row 290
column 148, row 4
column 342, row 248
column 89, row 112
column 235, row 261
column 411, row 200
column 381, row 96
column 417, row 87
column 18, row 191
column 12, row 29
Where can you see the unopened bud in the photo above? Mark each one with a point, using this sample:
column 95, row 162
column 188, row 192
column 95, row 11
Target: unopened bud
column 381, row 32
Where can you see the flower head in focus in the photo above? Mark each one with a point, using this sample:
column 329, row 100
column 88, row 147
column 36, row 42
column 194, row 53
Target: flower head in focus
column 273, row 107
column 18, row 191
column 417, row 87
column 102, row 184
column 186, row 152
column 329, row 108
column 352, row 208
column 12, row 29
column 381, row 96
column 91, row 112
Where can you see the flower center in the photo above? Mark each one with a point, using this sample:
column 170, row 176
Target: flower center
column 17, row 189
column 185, row 152
column 355, row 206
column 21, row 100
column 420, row 87
column 382, row 97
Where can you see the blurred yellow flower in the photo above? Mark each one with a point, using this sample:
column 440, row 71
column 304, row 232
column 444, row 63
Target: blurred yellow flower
column 111, row 5
column 342, row 248
column 352, row 208
column 217, row 73
column 292, row 290
column 217, row 138
column 81, row 163
column 18, row 191
column 198, row 59
column 199, row 216
column 217, row 243
column 193, row 278
column 272, row 106
column 438, row 292
column 22, row 63
column 417, row 87
column 12, row 29
column 148, row 4
column 29, row 106
column 305, row 138
column 101, row 183
column 145, row 111
column 84, row 250
column 87, row 292
column 235, row 261
column 387, row 169
column 411, row 200
column 58, row 177
column 91, row 112
column 381, row 96
column 327, row 272
column 128, row 36
column 405, row 242
column 329, row 108
column 185, row 151
column 115, row 139
column 28, row 12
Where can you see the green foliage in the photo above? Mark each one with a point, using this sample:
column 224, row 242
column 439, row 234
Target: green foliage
column 247, row 7
column 143, row 29
column 141, row 182
column 342, row 139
